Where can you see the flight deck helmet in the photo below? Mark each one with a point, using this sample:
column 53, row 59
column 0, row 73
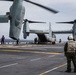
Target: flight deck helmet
column 70, row 37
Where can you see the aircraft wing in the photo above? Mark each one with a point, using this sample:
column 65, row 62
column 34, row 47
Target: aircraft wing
column 47, row 32
column 38, row 32
column 4, row 18
column 62, row 32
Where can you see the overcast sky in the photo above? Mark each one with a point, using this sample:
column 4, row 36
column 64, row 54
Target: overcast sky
column 66, row 8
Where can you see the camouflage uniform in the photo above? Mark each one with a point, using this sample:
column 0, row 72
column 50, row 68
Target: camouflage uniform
column 70, row 57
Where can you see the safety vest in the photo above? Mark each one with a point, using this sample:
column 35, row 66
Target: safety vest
column 71, row 46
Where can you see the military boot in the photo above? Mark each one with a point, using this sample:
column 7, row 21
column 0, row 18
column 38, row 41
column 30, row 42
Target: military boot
column 68, row 71
column 75, row 70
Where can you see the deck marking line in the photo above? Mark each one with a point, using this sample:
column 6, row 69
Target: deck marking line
column 52, row 69
column 8, row 65
column 35, row 59
column 31, row 51
column 52, row 55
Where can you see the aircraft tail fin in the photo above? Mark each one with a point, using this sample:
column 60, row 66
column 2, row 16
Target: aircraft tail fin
column 50, row 30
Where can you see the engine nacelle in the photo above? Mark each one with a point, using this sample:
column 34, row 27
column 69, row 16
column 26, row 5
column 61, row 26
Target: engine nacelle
column 25, row 35
column 17, row 12
column 74, row 31
column 4, row 18
column 25, row 29
column 14, row 32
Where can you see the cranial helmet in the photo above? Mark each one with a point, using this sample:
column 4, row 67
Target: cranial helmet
column 70, row 37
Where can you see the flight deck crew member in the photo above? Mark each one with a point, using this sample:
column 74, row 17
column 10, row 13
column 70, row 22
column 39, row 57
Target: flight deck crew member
column 70, row 53
column 2, row 39
column 17, row 42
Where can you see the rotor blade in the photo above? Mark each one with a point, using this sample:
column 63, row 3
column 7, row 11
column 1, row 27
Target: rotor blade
column 26, row 20
column 6, row 0
column 70, row 22
column 35, row 22
column 47, row 8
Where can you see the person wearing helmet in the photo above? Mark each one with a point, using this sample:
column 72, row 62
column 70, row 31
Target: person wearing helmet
column 70, row 53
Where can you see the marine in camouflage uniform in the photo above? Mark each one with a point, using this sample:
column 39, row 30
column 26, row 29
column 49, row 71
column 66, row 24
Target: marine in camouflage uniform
column 70, row 56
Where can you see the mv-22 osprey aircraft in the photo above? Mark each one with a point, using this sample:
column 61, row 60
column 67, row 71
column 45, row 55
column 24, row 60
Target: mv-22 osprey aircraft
column 16, row 16
column 44, row 36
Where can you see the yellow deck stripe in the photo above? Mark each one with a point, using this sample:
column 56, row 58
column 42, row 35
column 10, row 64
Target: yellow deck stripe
column 31, row 51
column 52, row 69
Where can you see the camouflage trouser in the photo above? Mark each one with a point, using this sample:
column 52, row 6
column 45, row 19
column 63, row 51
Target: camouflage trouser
column 71, row 57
